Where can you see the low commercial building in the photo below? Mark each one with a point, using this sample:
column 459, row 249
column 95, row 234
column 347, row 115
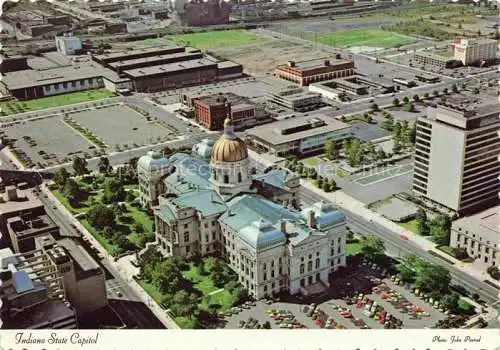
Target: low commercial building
column 299, row 135
column 211, row 111
column 13, row 64
column 433, row 59
column 312, row 71
column 335, row 89
column 479, row 235
column 297, row 99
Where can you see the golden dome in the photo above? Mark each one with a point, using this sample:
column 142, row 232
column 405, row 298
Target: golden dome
column 229, row 150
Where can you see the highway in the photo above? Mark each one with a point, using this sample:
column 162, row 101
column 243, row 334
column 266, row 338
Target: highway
column 399, row 247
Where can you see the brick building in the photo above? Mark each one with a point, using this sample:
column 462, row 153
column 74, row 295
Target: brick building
column 211, row 111
column 312, row 71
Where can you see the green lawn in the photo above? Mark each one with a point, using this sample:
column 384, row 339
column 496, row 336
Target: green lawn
column 219, row 38
column 363, row 37
column 411, row 225
column 352, row 248
column 10, row 107
column 464, row 305
column 312, row 161
column 380, row 203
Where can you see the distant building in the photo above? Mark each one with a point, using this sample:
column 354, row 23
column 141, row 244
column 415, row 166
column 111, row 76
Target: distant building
column 200, row 13
column 336, row 89
column 299, row 135
column 13, row 64
column 474, row 51
column 297, row 99
column 456, row 156
column 68, row 45
column 433, row 59
column 479, row 235
column 307, row 72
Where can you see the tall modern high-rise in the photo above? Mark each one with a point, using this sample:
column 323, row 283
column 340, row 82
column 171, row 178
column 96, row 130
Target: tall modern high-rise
column 457, row 156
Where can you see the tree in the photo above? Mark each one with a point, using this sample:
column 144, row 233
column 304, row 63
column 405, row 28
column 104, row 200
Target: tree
column 432, row 278
column 374, row 107
column 372, row 248
column 148, row 261
column 80, row 166
column 406, row 99
column 395, row 102
column 416, row 98
column 422, row 224
column 330, row 150
column 333, row 184
column 454, row 88
column 71, row 189
column 113, row 191
column 381, row 153
column 319, row 182
column 61, row 176
column 184, row 304
column 396, row 145
column 325, row 186
column 370, row 148
column 138, row 227
column 108, row 231
column 435, row 93
column 440, row 228
column 100, row 216
column 409, row 107
column 103, row 165
column 445, row 91
column 167, row 277
column 449, row 301
column 493, row 272
column 426, row 95
column 266, row 325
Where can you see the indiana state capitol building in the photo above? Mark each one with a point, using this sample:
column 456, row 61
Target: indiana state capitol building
column 253, row 221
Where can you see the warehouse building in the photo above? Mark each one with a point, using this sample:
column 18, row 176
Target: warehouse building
column 299, row 135
column 312, row 71
column 297, row 99
column 161, row 68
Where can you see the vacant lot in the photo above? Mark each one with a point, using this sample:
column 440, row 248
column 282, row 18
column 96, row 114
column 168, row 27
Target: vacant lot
column 363, row 37
column 264, row 57
column 221, row 38
column 120, row 125
column 54, row 101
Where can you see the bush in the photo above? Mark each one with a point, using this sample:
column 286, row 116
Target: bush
column 494, row 272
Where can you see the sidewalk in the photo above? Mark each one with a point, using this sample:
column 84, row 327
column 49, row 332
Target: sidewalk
column 343, row 200
column 117, row 268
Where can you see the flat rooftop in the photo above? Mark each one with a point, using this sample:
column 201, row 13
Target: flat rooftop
column 170, row 68
column 80, row 257
column 26, row 201
column 147, row 50
column 34, row 225
column 485, row 224
column 30, row 78
column 311, row 126
column 310, row 64
column 41, row 316
column 158, row 58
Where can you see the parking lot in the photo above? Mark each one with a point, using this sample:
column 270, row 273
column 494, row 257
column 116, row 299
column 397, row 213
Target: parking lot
column 49, row 140
column 391, row 306
column 121, row 125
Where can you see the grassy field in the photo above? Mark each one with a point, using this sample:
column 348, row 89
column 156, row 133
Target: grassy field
column 312, row 161
column 363, row 37
column 215, row 39
column 411, row 225
column 10, row 107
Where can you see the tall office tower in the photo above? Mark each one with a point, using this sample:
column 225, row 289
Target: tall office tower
column 457, row 156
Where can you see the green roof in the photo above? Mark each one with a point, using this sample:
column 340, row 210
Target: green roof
column 207, row 202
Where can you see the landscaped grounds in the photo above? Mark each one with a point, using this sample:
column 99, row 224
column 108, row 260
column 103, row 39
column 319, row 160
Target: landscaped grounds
column 216, row 39
column 13, row 107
